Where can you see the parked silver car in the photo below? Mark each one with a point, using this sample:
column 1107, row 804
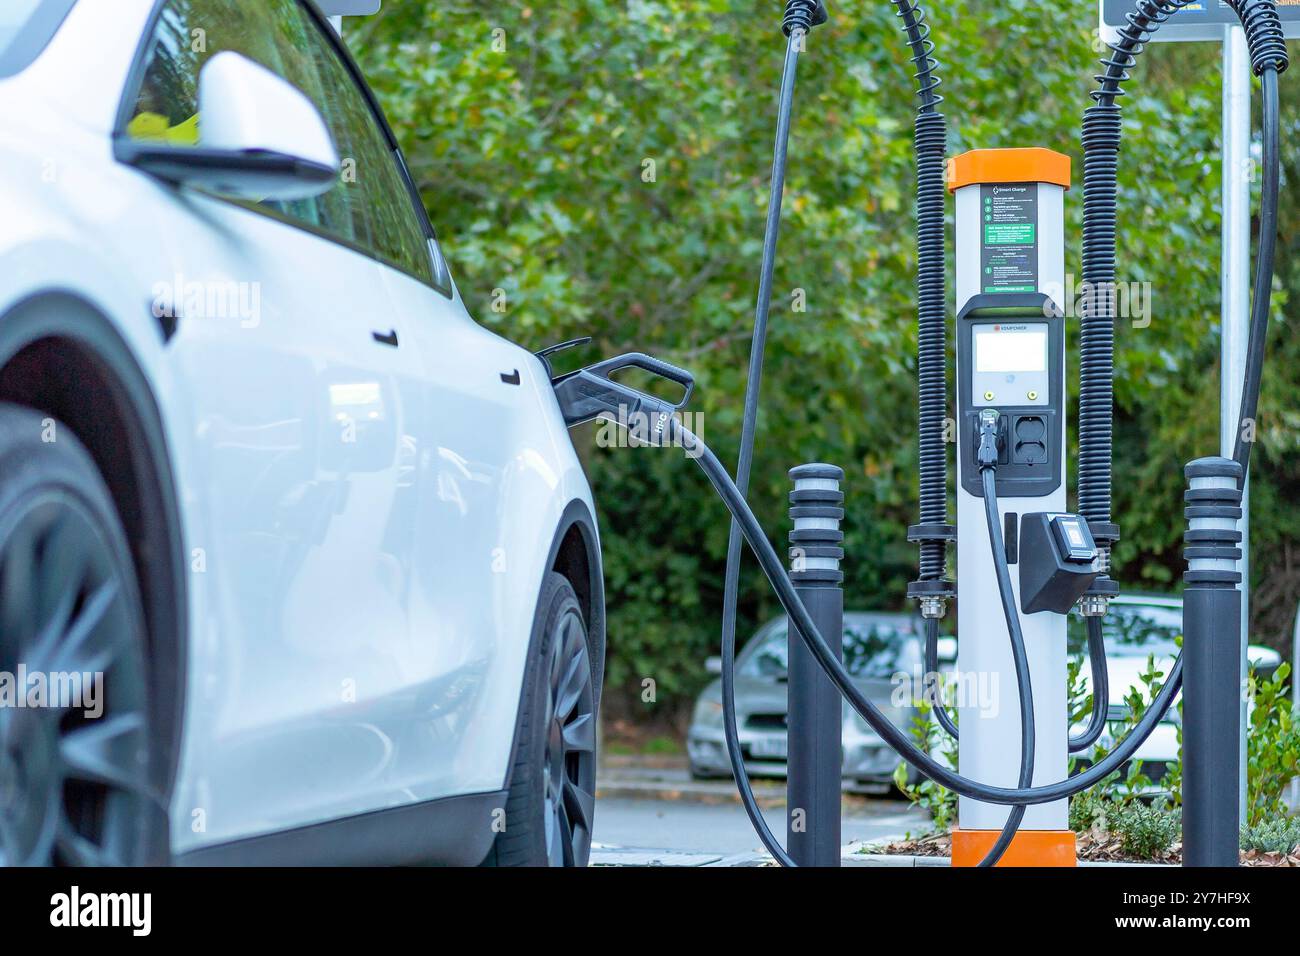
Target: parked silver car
column 878, row 647
column 1140, row 630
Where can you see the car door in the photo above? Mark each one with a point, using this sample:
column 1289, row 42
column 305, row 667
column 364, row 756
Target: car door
column 307, row 422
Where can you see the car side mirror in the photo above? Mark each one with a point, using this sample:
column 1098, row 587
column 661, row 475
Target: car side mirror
column 713, row 665
column 259, row 138
column 248, row 112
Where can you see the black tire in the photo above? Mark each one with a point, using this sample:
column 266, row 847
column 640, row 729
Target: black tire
column 76, row 787
column 551, row 804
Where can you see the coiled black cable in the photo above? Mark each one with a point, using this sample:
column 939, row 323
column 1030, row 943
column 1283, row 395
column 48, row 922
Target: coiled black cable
column 1100, row 688
column 1101, row 142
column 922, row 47
column 932, row 334
column 1101, row 137
column 802, row 15
column 931, row 146
column 1139, row 26
column 1264, row 35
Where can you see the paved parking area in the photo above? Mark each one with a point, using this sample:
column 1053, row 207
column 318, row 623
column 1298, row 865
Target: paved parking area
column 658, row 816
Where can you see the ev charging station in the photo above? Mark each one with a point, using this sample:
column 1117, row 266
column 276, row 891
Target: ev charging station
column 1010, row 327
column 1012, row 467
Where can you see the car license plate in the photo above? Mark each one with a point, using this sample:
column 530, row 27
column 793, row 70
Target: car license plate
column 775, row 747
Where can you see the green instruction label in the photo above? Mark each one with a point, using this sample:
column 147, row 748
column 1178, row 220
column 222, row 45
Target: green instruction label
column 1009, row 246
column 1009, row 233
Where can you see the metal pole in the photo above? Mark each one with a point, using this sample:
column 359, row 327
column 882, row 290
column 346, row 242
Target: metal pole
column 1211, row 648
column 1238, row 173
column 814, row 711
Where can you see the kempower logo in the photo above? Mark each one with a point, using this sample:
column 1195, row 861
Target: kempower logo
column 1010, row 328
column 107, row 910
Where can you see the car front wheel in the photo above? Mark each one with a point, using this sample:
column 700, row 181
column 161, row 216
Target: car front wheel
column 75, row 757
column 552, row 797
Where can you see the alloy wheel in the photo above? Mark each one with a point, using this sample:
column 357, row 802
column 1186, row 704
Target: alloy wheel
column 74, row 784
column 570, row 757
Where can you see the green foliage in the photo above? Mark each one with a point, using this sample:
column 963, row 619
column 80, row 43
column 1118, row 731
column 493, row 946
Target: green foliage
column 1117, row 804
column 1089, row 810
column 604, row 165
column 1273, row 749
column 1134, row 783
column 1272, row 836
column 1272, row 746
column 939, row 802
column 1145, row 831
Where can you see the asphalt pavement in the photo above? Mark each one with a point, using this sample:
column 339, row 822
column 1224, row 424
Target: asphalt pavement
column 658, row 815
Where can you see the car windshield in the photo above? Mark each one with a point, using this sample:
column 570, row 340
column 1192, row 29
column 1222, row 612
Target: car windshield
column 872, row 648
column 15, row 18
column 1134, row 630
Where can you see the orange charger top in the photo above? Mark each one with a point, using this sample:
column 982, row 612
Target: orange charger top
column 1035, row 165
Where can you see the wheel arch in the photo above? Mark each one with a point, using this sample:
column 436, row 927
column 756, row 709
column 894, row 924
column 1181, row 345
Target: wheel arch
column 61, row 356
column 575, row 553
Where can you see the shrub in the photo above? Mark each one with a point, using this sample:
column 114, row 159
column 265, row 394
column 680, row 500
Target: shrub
column 939, row 802
column 1145, row 832
column 1272, row 746
column 1272, row 836
column 1089, row 809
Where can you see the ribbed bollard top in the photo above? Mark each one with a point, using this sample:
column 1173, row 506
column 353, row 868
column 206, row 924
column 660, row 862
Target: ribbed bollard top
column 1212, row 542
column 816, row 507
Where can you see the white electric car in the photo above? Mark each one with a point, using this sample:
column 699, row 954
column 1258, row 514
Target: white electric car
column 301, row 556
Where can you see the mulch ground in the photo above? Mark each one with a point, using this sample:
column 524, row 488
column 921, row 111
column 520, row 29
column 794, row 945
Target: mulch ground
column 1093, row 846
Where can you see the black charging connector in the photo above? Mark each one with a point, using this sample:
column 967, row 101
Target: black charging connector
column 591, row 393
column 992, row 439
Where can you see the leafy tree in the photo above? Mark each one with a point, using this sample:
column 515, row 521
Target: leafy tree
column 601, row 168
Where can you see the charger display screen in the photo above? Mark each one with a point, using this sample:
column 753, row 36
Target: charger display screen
column 1021, row 348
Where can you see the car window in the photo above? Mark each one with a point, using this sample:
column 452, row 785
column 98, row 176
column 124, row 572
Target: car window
column 1132, row 631
column 871, row 649
column 371, row 208
column 768, row 659
column 878, row 649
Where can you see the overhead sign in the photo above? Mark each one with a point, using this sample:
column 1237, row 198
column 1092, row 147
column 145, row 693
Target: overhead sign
column 1203, row 20
column 348, row 8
